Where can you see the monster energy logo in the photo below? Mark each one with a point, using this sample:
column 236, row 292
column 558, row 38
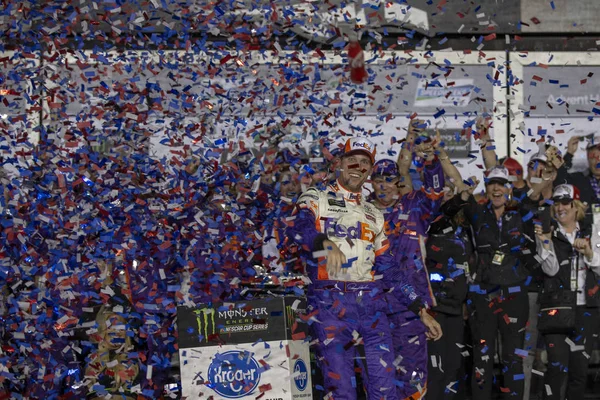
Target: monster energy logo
column 290, row 316
column 204, row 315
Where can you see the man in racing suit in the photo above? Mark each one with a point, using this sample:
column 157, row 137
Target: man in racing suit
column 349, row 260
column 407, row 218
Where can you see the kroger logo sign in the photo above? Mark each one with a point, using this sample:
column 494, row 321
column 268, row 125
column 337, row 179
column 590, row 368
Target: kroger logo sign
column 300, row 374
column 234, row 374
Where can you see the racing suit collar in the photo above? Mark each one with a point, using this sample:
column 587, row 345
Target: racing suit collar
column 347, row 194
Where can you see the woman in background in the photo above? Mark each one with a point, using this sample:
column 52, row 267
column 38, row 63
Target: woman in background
column 570, row 263
column 498, row 299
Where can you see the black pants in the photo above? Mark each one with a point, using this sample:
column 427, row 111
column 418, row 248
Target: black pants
column 508, row 315
column 445, row 358
column 568, row 366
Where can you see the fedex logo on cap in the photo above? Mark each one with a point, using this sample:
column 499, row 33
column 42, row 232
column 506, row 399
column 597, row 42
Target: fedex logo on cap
column 364, row 145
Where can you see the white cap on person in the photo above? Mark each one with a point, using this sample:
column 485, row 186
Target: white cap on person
column 360, row 145
column 565, row 192
column 539, row 156
column 593, row 142
column 497, row 174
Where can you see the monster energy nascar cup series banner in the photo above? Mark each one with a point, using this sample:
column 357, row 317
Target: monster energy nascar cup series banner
column 245, row 349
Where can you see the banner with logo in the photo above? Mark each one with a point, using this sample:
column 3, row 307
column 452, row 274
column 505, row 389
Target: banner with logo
column 559, row 101
column 245, row 349
column 561, row 91
column 442, row 94
column 301, row 373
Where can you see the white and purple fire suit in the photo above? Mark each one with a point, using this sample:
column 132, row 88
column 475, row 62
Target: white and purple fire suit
column 351, row 308
column 406, row 227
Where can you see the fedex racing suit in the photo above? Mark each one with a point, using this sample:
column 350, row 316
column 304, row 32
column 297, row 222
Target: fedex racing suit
column 406, row 227
column 351, row 308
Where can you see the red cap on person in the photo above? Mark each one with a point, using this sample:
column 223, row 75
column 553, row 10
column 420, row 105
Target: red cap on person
column 513, row 166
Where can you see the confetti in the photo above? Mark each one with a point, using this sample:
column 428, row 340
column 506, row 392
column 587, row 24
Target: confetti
column 143, row 192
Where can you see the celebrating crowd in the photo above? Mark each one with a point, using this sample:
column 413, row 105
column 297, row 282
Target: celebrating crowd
column 403, row 268
column 98, row 250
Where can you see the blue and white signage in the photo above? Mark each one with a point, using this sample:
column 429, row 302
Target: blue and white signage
column 234, row 374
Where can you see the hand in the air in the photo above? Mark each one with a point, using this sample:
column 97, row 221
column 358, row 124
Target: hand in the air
column 470, row 189
column 573, row 145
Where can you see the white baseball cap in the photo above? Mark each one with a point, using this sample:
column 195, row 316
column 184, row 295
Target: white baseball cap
column 539, row 156
column 360, row 145
column 594, row 141
column 497, row 174
column 565, row 192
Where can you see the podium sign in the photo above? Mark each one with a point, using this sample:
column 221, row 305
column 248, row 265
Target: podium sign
column 244, row 350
